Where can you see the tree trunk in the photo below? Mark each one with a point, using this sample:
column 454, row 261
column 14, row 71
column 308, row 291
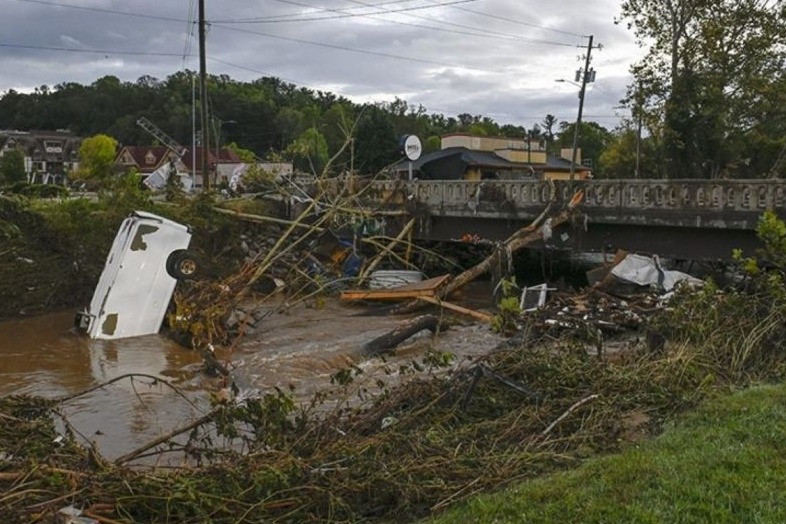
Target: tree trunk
column 401, row 333
column 522, row 238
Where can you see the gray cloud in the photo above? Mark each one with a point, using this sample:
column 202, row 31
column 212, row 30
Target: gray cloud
column 497, row 58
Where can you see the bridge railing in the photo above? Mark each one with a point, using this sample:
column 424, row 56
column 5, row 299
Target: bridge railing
column 727, row 195
column 685, row 195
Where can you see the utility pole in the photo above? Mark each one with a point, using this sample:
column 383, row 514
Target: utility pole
column 582, row 91
column 203, row 97
column 639, row 103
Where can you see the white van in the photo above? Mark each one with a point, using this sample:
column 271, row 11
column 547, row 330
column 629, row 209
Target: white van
column 147, row 257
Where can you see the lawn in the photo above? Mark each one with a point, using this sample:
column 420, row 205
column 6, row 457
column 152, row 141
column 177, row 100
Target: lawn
column 724, row 462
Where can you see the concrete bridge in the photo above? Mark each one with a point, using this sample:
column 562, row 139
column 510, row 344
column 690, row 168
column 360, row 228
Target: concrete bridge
column 691, row 219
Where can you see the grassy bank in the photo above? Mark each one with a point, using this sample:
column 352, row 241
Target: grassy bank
column 725, row 462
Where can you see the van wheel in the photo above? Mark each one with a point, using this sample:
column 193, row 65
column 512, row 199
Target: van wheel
column 181, row 265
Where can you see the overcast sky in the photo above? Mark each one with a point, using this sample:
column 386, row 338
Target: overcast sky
column 497, row 58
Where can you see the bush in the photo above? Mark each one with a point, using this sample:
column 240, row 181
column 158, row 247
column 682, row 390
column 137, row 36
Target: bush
column 37, row 190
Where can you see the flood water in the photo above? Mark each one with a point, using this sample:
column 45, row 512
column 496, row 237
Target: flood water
column 298, row 349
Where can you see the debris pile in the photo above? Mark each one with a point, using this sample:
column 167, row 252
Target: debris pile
column 528, row 408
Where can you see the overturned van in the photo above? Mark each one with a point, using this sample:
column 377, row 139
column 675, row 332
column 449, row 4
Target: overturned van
column 148, row 256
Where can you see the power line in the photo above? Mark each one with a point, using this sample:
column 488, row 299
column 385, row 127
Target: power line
column 316, row 11
column 339, row 13
column 189, row 31
column 100, row 10
column 333, row 46
column 342, row 13
column 486, row 33
column 519, row 22
column 92, row 51
column 361, row 51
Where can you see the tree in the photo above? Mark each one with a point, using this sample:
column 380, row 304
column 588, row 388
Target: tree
column 246, row 155
column 593, row 140
column 96, row 158
column 549, row 122
column 310, row 151
column 618, row 159
column 712, row 80
column 432, row 143
column 377, row 142
column 12, row 166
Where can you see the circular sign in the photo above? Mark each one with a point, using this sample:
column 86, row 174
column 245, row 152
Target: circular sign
column 412, row 147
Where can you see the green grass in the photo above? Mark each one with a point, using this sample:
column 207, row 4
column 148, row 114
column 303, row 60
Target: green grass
column 724, row 462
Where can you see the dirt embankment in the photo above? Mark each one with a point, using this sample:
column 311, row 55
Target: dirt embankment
column 43, row 265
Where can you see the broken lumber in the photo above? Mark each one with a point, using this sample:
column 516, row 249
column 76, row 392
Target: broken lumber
column 401, row 333
column 485, row 317
column 413, row 290
column 387, row 249
column 521, row 239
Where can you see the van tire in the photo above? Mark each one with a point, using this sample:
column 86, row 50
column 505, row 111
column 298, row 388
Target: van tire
column 182, row 265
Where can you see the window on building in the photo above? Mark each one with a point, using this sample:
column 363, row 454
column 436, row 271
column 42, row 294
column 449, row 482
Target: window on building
column 53, row 146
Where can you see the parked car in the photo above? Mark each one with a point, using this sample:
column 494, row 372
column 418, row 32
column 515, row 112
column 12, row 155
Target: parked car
column 148, row 256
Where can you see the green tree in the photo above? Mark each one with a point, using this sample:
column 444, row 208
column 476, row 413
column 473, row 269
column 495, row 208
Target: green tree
column 432, row 143
column 12, row 166
column 549, row 123
column 593, row 140
column 310, row 151
column 712, row 81
column 246, row 155
column 618, row 159
column 377, row 144
column 96, row 158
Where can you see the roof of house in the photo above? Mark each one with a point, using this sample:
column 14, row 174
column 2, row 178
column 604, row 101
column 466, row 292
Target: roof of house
column 455, row 161
column 160, row 154
column 467, row 156
column 139, row 156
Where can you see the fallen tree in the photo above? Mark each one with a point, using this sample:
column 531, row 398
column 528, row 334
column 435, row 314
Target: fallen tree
column 402, row 332
column 524, row 237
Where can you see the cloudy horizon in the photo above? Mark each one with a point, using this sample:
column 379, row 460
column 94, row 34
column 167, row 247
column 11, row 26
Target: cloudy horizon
column 495, row 58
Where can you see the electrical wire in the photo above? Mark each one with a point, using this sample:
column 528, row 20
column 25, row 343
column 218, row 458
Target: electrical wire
column 338, row 13
column 518, row 22
column 189, row 32
column 355, row 50
column 91, row 51
column 485, row 34
column 101, row 10
column 316, row 11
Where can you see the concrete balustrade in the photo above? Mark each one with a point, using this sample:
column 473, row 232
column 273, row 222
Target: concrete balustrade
column 711, row 203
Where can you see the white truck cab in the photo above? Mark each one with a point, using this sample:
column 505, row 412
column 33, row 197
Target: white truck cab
column 147, row 257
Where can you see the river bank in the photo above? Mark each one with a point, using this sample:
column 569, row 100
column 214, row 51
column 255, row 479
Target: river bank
column 546, row 400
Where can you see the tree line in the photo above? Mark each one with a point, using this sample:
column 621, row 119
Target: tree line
column 268, row 116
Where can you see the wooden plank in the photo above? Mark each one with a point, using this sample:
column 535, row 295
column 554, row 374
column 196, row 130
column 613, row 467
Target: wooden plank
column 413, row 290
column 485, row 317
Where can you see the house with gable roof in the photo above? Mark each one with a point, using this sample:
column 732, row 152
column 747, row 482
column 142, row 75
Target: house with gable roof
column 468, row 157
column 146, row 160
column 49, row 156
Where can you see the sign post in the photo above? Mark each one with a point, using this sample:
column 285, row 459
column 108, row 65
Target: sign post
column 412, row 149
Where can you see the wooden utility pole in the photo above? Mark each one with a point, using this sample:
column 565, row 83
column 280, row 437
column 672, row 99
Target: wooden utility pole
column 203, row 97
column 584, row 78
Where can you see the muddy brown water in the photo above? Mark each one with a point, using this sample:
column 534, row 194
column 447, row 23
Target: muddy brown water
column 299, row 349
